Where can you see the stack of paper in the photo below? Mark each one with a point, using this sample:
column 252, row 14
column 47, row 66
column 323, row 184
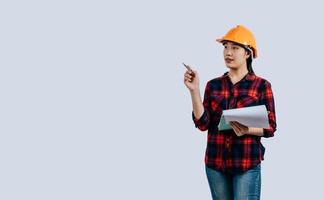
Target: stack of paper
column 254, row 116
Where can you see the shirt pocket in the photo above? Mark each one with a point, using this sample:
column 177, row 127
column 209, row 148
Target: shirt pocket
column 246, row 99
column 216, row 102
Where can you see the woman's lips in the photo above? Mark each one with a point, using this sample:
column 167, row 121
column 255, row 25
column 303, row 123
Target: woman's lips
column 228, row 60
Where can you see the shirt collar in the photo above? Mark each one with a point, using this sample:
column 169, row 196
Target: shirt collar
column 249, row 76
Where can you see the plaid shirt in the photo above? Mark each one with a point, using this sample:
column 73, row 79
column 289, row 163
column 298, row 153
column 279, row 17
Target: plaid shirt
column 225, row 151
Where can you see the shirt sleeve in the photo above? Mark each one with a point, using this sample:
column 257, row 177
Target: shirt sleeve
column 268, row 100
column 203, row 122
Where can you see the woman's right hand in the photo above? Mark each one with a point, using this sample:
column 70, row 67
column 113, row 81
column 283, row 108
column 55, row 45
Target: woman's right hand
column 191, row 80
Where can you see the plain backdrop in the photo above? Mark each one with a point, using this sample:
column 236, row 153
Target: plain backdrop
column 93, row 105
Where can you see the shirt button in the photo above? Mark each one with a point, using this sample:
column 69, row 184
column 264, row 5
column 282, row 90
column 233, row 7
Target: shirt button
column 227, row 143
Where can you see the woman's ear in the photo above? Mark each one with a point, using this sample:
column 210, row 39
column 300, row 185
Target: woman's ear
column 247, row 54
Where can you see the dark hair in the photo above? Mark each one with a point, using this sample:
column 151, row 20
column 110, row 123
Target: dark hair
column 249, row 63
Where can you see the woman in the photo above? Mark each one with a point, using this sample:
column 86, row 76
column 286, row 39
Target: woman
column 233, row 157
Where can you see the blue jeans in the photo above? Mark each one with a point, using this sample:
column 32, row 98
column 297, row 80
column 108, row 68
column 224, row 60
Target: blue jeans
column 227, row 186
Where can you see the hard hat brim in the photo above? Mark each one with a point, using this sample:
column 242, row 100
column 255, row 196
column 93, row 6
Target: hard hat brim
column 221, row 40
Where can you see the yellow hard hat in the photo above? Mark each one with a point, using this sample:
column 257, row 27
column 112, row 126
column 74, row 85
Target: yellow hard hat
column 243, row 36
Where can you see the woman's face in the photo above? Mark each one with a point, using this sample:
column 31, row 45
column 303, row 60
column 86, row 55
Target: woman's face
column 234, row 55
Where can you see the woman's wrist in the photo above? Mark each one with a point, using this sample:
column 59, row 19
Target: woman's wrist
column 255, row 131
column 194, row 91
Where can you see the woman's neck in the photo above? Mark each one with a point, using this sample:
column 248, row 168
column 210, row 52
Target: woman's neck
column 237, row 74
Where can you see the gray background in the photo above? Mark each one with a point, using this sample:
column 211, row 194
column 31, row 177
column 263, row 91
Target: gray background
column 93, row 104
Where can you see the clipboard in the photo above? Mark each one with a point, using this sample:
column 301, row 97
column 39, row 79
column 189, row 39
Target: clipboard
column 254, row 116
column 222, row 125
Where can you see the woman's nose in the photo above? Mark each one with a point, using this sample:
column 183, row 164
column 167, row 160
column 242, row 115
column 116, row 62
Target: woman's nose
column 228, row 52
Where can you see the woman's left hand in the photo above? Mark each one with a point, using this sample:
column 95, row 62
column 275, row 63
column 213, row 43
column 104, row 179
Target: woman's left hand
column 239, row 128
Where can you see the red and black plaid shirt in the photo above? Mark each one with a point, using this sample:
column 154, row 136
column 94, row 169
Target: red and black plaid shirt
column 225, row 151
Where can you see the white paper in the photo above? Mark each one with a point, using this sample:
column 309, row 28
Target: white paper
column 254, row 116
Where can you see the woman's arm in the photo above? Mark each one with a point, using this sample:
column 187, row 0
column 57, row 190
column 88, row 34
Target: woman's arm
column 241, row 129
column 197, row 105
column 268, row 100
column 255, row 131
column 199, row 114
column 191, row 80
